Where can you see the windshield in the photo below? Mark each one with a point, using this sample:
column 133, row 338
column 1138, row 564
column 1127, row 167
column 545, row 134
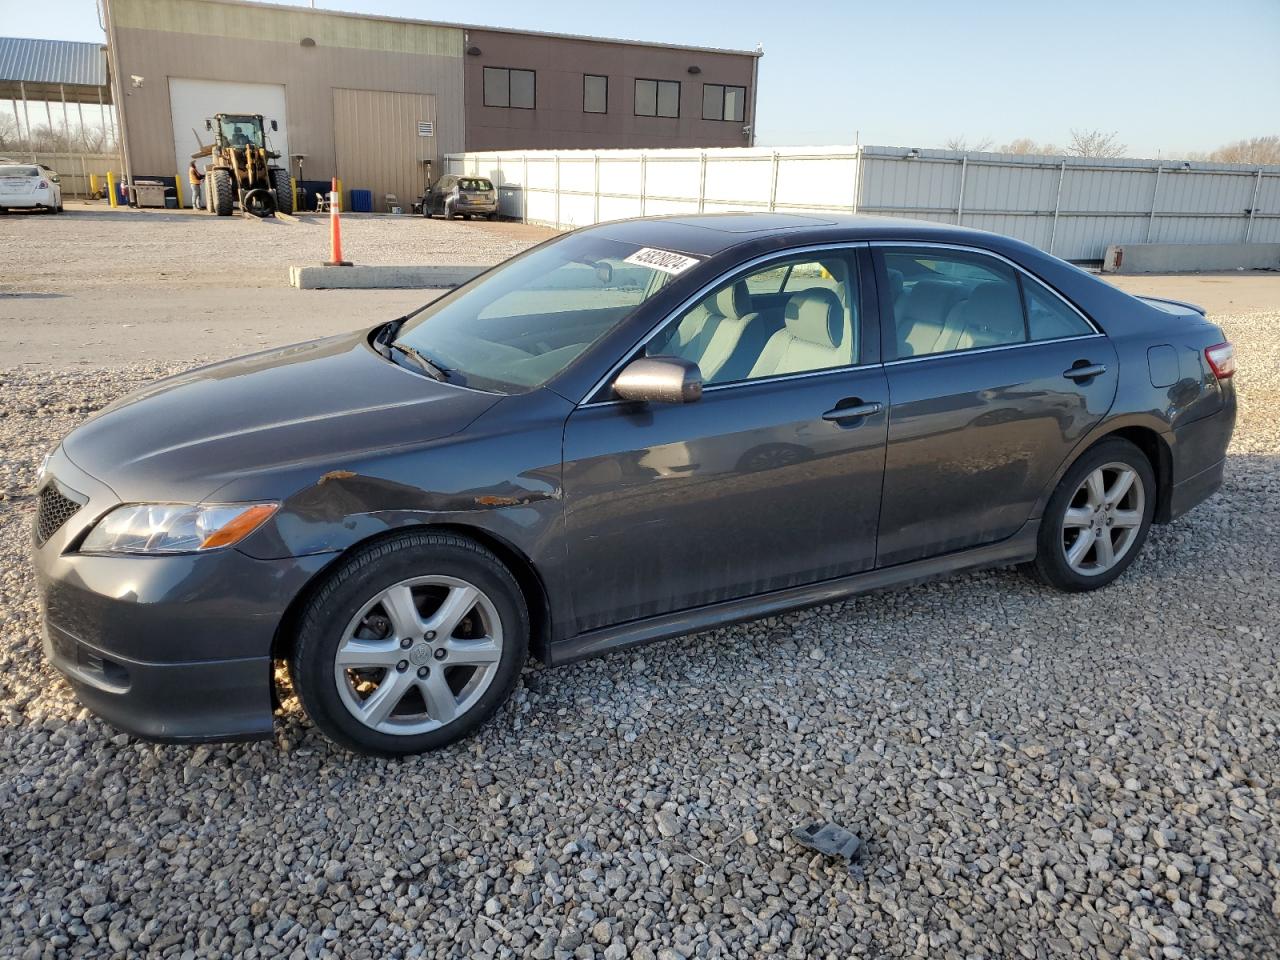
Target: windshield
column 19, row 171
column 242, row 132
column 525, row 322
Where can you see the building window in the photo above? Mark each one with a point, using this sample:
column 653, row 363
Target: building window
column 657, row 98
column 720, row 102
column 595, row 94
column 504, row 87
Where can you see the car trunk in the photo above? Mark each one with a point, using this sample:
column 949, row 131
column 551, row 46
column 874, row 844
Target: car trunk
column 18, row 185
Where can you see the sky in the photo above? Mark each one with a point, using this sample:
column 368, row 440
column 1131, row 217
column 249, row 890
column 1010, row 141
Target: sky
column 1169, row 76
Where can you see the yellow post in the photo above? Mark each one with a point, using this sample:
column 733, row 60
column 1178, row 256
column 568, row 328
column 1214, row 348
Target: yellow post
column 341, row 204
column 93, row 184
column 177, row 189
column 111, row 188
column 293, row 188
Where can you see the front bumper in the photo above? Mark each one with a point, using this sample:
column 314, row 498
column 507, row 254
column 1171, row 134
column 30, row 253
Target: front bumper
column 174, row 648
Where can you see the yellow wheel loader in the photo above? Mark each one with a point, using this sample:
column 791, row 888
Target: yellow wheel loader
column 240, row 168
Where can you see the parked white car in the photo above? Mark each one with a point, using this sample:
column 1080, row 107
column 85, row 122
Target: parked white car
column 29, row 186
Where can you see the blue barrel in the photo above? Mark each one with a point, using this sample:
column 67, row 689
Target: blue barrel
column 361, row 201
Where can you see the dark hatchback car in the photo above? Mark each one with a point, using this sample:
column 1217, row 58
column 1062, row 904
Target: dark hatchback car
column 630, row 432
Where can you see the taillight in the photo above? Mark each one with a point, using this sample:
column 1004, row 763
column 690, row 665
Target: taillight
column 42, row 185
column 1222, row 359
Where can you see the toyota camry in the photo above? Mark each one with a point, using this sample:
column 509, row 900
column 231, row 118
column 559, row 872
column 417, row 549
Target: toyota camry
column 631, row 432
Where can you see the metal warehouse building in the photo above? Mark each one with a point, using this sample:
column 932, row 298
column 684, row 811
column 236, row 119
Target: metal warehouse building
column 372, row 100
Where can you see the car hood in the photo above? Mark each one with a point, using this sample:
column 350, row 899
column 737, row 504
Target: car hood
column 318, row 404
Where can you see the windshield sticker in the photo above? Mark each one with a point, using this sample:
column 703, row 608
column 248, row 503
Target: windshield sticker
column 664, row 260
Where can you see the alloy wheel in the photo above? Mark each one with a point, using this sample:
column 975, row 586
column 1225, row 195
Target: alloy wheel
column 418, row 655
column 1103, row 519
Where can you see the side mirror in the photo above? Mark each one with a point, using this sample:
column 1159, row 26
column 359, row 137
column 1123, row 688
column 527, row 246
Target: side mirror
column 659, row 380
column 274, row 126
column 208, row 124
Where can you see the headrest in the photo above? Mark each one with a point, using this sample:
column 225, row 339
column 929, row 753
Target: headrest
column 895, row 282
column 815, row 316
column 995, row 307
column 734, row 301
column 931, row 299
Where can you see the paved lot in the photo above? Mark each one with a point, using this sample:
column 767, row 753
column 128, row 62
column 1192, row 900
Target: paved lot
column 1035, row 774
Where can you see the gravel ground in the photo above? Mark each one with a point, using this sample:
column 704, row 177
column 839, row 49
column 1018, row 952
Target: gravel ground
column 112, row 250
column 1034, row 774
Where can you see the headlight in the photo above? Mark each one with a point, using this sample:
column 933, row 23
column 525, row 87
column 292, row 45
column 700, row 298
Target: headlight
column 175, row 527
column 44, row 467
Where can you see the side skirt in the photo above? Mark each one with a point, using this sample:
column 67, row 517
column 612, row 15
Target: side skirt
column 1018, row 548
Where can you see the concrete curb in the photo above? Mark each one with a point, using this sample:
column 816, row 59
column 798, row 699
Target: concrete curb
column 1183, row 257
column 380, row 278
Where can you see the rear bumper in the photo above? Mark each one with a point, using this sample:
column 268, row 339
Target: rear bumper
column 1196, row 489
column 1200, row 456
column 35, row 201
column 486, row 208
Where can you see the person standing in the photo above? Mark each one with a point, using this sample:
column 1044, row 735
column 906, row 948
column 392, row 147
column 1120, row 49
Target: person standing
column 197, row 185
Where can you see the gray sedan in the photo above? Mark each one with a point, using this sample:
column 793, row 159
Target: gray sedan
column 631, row 432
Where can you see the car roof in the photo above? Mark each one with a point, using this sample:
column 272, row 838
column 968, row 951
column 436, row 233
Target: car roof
column 710, row 234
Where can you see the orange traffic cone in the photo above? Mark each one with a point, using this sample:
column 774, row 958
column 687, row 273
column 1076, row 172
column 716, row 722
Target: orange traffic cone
column 335, row 228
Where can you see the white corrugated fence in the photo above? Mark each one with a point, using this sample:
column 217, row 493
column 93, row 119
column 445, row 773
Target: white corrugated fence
column 1073, row 207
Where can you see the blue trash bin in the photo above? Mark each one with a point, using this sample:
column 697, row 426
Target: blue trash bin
column 362, row 201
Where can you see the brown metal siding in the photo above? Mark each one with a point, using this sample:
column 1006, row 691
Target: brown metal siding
column 558, row 121
column 378, row 147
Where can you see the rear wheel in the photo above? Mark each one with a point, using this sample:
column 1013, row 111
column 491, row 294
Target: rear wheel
column 1097, row 518
column 283, row 187
column 222, row 192
column 410, row 645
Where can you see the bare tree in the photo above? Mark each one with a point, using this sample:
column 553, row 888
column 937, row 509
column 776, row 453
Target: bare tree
column 8, row 132
column 1251, row 150
column 1025, row 145
column 962, row 145
column 1095, row 143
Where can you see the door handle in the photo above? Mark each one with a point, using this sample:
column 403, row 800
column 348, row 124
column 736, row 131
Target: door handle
column 852, row 413
column 1085, row 372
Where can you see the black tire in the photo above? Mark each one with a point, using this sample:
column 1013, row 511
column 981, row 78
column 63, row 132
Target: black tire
column 1051, row 564
column 362, row 576
column 283, row 186
column 222, row 191
column 493, row 216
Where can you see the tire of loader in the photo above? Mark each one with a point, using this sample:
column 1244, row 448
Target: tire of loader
column 284, row 190
column 224, row 192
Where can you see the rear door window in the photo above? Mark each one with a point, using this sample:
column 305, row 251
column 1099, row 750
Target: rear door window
column 945, row 301
column 1049, row 317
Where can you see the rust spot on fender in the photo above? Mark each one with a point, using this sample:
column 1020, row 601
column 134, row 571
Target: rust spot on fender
column 335, row 475
column 492, row 501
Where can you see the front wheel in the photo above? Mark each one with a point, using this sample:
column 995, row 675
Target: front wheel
column 223, row 192
column 1098, row 518
column 410, row 644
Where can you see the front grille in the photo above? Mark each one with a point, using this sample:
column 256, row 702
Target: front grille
column 53, row 511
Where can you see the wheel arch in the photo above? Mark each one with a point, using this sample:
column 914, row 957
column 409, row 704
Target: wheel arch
column 1147, row 435
column 526, row 575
